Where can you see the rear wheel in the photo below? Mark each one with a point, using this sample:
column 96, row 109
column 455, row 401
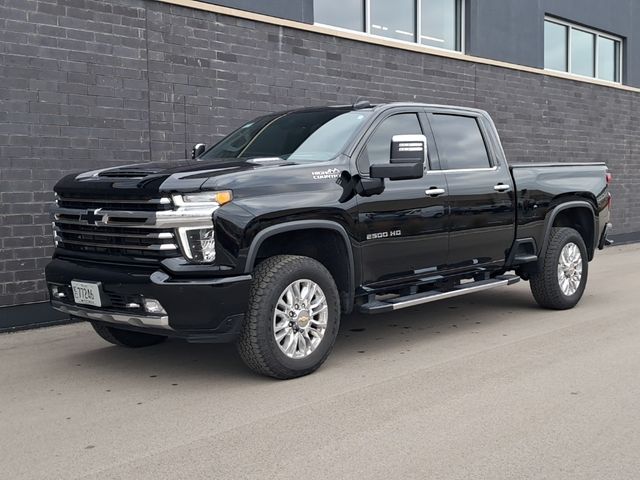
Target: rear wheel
column 562, row 278
column 293, row 317
column 127, row 338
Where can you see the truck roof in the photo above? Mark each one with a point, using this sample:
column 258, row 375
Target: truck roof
column 383, row 106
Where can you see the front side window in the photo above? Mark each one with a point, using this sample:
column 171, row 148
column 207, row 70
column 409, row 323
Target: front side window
column 436, row 23
column 582, row 51
column 459, row 142
column 378, row 146
column 309, row 136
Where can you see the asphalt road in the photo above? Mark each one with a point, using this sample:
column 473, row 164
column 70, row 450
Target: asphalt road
column 485, row 386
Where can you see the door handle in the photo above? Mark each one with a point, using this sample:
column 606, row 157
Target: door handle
column 501, row 187
column 434, row 191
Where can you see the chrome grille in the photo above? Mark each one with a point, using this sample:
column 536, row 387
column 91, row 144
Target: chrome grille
column 115, row 226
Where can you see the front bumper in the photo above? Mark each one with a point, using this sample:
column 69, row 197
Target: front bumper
column 108, row 316
column 197, row 309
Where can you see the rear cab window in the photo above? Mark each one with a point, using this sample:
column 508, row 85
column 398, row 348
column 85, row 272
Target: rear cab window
column 459, row 141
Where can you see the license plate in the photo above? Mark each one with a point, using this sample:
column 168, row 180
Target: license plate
column 86, row 293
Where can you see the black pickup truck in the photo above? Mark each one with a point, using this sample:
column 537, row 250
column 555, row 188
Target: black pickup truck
column 265, row 238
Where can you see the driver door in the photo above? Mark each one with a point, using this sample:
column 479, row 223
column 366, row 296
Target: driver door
column 403, row 231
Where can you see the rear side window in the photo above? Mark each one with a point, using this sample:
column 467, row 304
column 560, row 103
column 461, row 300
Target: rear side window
column 459, row 141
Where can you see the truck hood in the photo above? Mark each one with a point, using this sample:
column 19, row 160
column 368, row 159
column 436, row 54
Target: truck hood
column 243, row 176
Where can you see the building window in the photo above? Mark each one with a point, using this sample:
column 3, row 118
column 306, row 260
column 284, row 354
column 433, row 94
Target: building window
column 440, row 22
column 581, row 51
column 436, row 23
column 395, row 19
column 608, row 59
column 347, row 14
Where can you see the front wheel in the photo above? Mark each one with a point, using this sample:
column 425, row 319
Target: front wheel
column 293, row 317
column 562, row 278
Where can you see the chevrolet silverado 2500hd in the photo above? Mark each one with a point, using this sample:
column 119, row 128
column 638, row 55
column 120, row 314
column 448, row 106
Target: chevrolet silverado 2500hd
column 265, row 238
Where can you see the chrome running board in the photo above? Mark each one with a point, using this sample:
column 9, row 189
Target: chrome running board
column 398, row 303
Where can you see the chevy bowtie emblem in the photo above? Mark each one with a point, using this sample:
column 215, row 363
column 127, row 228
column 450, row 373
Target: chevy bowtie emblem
column 92, row 217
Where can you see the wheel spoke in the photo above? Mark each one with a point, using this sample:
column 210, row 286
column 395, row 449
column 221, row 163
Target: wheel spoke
column 290, row 346
column 282, row 305
column 321, row 309
column 289, row 296
column 309, row 293
column 319, row 300
column 302, row 344
column 281, row 334
column 296, row 291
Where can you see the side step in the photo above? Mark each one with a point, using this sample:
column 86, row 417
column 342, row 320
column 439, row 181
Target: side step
column 397, row 303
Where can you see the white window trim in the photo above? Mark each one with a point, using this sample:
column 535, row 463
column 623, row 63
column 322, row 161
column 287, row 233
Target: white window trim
column 460, row 27
column 572, row 26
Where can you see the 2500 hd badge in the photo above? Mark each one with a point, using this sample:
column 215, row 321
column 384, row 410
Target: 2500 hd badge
column 392, row 233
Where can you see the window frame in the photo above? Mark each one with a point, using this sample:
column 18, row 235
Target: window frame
column 460, row 27
column 597, row 33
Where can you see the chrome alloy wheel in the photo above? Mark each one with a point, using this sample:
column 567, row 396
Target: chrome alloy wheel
column 569, row 269
column 300, row 318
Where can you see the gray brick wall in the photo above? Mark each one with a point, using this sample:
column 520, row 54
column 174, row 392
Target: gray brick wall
column 85, row 83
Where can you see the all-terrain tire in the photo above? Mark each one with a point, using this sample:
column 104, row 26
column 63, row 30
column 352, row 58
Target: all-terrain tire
column 545, row 284
column 257, row 344
column 127, row 338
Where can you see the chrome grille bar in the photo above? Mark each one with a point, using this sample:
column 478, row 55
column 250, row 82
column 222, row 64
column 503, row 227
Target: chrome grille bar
column 133, row 201
column 156, row 247
column 137, row 218
column 161, row 235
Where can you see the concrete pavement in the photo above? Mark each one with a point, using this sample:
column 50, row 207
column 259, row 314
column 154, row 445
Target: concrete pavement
column 486, row 386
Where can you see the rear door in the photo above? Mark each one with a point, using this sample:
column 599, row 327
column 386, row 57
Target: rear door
column 481, row 194
column 402, row 231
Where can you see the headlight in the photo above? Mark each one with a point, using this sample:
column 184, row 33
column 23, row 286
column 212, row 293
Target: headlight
column 200, row 199
column 196, row 236
column 198, row 243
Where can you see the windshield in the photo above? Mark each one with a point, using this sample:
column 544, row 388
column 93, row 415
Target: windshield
column 311, row 136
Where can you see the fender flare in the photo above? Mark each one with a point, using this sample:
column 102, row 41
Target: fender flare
column 548, row 222
column 272, row 230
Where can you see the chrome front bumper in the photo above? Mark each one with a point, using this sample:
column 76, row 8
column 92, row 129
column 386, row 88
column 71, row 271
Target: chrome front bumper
column 152, row 321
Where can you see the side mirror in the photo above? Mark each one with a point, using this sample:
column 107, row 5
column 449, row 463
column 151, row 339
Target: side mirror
column 367, row 187
column 197, row 150
column 407, row 159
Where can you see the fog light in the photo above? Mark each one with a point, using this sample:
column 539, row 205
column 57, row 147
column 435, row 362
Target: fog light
column 56, row 293
column 198, row 244
column 152, row 305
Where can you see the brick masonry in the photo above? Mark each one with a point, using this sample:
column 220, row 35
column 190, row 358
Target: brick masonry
column 85, row 84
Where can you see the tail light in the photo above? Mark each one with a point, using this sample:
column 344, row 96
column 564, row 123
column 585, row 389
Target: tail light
column 609, row 178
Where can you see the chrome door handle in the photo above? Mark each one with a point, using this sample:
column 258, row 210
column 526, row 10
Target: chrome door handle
column 501, row 187
column 434, row 192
